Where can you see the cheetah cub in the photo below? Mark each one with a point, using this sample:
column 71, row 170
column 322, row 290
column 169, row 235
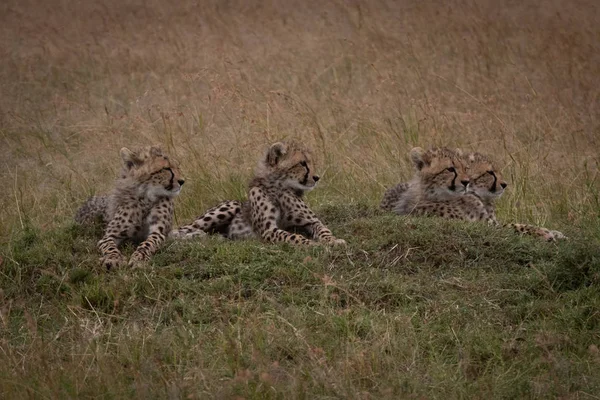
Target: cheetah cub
column 476, row 204
column 440, row 174
column 274, row 206
column 139, row 208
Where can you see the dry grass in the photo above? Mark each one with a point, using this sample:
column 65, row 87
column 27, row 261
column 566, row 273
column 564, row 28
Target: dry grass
column 215, row 82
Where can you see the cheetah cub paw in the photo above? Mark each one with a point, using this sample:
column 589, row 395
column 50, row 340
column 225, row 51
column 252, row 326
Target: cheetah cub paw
column 332, row 241
column 552, row 236
column 175, row 234
column 112, row 261
column 138, row 259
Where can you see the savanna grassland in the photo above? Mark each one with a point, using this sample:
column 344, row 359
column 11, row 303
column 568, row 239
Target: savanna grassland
column 419, row 308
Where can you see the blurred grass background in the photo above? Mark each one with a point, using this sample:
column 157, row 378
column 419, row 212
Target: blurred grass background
column 215, row 82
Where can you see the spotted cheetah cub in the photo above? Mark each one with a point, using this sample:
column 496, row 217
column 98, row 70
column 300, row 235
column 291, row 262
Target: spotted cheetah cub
column 485, row 187
column 274, row 206
column 139, row 208
column 440, row 174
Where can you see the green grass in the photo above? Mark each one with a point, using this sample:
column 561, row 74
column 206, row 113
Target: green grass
column 421, row 308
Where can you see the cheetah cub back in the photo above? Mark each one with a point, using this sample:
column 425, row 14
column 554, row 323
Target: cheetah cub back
column 275, row 203
column 139, row 208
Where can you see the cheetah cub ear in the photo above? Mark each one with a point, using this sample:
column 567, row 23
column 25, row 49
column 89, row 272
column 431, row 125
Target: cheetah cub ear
column 276, row 151
column 129, row 158
column 417, row 156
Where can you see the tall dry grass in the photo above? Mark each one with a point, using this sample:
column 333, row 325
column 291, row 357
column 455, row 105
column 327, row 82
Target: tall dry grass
column 362, row 82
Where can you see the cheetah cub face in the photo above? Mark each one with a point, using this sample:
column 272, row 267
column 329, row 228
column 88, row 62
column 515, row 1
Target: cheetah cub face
column 291, row 164
column 442, row 172
column 486, row 180
column 156, row 174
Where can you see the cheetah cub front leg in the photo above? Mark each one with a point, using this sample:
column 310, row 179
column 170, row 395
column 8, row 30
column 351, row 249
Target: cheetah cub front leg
column 299, row 215
column 264, row 220
column 321, row 233
column 159, row 222
column 114, row 234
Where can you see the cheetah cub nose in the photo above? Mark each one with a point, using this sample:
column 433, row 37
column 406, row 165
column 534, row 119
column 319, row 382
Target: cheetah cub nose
column 181, row 182
column 504, row 185
column 316, row 178
column 465, row 183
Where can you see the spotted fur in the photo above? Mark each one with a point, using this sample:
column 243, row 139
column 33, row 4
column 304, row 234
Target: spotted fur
column 393, row 195
column 139, row 208
column 275, row 206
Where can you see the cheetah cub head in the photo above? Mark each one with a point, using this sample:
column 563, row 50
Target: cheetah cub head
column 152, row 172
column 486, row 181
column 441, row 172
column 290, row 164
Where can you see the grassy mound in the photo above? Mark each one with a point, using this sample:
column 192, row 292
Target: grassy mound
column 412, row 307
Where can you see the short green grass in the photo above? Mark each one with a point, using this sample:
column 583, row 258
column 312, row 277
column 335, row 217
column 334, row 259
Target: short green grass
column 412, row 307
